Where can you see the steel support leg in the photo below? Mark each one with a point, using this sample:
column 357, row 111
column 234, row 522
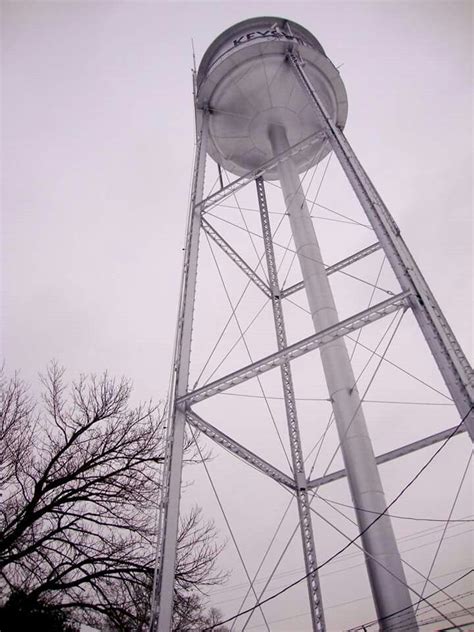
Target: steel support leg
column 452, row 363
column 391, row 593
column 161, row 616
column 301, row 492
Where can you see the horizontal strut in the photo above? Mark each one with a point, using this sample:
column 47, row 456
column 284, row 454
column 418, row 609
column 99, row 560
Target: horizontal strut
column 298, row 349
column 235, row 185
column 236, row 258
column 344, row 263
column 393, row 454
column 239, row 450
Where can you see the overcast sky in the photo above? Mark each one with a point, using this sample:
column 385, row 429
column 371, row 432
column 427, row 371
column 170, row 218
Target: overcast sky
column 97, row 147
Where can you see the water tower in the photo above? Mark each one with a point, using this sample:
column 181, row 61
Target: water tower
column 269, row 105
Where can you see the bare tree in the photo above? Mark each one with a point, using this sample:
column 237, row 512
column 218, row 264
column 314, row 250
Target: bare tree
column 78, row 483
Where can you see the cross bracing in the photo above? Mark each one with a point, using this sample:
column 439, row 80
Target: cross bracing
column 407, row 299
column 232, row 446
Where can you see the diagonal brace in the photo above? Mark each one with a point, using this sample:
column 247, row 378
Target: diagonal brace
column 236, row 258
column 298, row 349
column 393, row 454
column 239, row 450
column 357, row 256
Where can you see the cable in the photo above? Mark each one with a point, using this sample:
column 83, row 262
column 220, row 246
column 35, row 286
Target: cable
column 237, row 304
column 365, row 391
column 415, row 519
column 344, row 569
column 254, row 210
column 259, row 259
column 455, row 615
column 371, row 623
column 234, row 315
column 366, row 553
column 331, row 154
column 350, row 219
column 267, row 551
column 326, row 399
column 349, row 556
column 212, row 188
column 193, row 434
column 435, row 556
column 234, row 345
column 300, row 186
column 352, row 276
column 245, row 208
column 283, row 284
column 397, row 366
column 346, row 546
column 359, row 333
column 259, row 263
column 344, row 603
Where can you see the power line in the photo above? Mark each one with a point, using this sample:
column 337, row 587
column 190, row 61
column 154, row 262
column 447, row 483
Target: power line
column 412, row 536
column 413, row 518
column 346, row 546
column 345, row 603
column 361, row 548
column 380, row 564
column 344, row 569
column 372, row 623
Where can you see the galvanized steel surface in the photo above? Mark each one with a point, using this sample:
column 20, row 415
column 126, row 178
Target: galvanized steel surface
column 247, row 84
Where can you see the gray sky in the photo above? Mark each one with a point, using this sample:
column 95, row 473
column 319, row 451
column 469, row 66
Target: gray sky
column 97, row 143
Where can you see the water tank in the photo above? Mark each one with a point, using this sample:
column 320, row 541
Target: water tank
column 247, row 84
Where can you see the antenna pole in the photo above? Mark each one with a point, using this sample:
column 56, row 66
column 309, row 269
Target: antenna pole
column 163, row 593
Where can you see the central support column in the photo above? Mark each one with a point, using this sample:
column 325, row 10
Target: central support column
column 386, row 574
